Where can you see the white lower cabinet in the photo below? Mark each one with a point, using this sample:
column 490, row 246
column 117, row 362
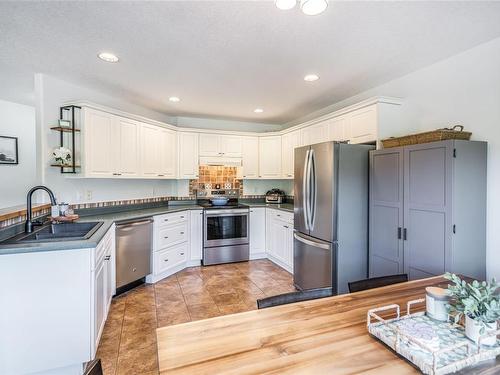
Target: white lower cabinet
column 279, row 238
column 170, row 258
column 177, row 242
column 196, row 235
column 104, row 283
column 257, row 232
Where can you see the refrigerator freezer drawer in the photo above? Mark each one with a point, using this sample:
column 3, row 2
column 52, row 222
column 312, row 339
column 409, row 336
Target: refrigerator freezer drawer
column 313, row 262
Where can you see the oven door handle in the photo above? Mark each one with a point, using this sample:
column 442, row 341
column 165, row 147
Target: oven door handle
column 230, row 212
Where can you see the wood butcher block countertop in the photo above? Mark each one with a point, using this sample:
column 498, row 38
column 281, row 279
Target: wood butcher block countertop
column 324, row 336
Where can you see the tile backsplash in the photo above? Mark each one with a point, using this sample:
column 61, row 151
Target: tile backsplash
column 211, row 175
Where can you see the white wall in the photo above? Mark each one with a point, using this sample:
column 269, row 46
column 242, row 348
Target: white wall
column 463, row 89
column 260, row 187
column 17, row 120
column 208, row 123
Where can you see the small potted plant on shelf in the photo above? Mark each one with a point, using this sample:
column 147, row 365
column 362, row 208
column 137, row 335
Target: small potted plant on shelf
column 62, row 156
column 479, row 303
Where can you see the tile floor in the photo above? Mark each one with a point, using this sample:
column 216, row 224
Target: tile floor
column 128, row 343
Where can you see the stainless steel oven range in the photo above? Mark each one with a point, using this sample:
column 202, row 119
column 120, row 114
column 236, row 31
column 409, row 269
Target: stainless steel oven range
column 225, row 227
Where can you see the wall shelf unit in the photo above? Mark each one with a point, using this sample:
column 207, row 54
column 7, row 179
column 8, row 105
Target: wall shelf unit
column 67, row 136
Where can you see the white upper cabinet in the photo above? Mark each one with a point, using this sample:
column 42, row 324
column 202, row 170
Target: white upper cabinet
column 128, row 147
column 209, row 145
column 150, row 150
column 230, row 146
column 316, row 133
column 363, row 125
column 98, row 143
column 270, row 157
column 250, row 157
column 188, row 155
column 167, row 153
column 126, row 137
column 337, row 129
column 220, row 145
column 289, row 142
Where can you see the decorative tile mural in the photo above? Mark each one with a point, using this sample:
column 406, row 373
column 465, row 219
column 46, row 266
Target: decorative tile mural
column 211, row 175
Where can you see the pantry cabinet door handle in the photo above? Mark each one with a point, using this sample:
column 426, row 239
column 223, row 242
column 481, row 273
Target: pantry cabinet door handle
column 165, row 220
column 165, row 260
column 285, row 226
column 405, row 234
column 182, row 232
column 165, row 237
column 182, row 253
column 399, row 233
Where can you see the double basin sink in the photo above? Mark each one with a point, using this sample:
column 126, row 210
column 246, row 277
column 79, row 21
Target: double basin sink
column 59, row 232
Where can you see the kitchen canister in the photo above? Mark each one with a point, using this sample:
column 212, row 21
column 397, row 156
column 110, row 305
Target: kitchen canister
column 436, row 300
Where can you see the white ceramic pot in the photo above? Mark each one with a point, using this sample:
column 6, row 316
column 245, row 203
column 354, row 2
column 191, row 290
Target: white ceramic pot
column 472, row 331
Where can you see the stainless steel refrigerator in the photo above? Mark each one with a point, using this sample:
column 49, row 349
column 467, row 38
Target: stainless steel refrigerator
column 330, row 215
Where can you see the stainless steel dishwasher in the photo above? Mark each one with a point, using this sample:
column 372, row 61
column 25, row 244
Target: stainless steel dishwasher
column 134, row 241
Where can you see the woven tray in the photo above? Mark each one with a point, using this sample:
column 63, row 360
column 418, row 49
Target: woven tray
column 435, row 347
column 456, row 132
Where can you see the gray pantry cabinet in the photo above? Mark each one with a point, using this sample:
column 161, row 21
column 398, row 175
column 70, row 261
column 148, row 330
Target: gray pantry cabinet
column 428, row 210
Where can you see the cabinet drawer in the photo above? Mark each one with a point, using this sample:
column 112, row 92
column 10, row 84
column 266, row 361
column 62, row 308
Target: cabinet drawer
column 173, row 218
column 171, row 234
column 103, row 247
column 169, row 258
column 286, row 217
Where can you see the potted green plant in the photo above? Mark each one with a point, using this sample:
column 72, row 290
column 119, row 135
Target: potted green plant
column 479, row 303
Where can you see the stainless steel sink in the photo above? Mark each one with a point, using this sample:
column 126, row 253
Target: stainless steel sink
column 60, row 232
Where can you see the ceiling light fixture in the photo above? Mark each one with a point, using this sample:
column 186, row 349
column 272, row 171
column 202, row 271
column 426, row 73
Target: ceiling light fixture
column 313, row 7
column 108, row 57
column 285, row 4
column 311, row 78
column 174, row 99
column 258, row 110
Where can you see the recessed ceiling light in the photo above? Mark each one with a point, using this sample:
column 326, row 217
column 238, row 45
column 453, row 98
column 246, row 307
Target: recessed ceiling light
column 174, row 99
column 108, row 57
column 311, row 78
column 285, row 4
column 313, row 7
column 258, row 110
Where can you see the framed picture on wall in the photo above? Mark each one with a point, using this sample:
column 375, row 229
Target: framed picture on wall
column 8, row 150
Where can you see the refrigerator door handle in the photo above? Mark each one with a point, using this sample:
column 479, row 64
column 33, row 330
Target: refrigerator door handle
column 312, row 243
column 313, row 194
column 305, row 190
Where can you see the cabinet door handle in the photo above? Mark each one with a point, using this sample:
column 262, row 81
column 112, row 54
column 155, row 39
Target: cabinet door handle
column 161, row 175
column 182, row 253
column 165, row 237
column 165, row 260
column 165, row 220
column 285, row 226
column 399, row 233
column 182, row 217
column 107, row 257
column 182, row 232
column 405, row 234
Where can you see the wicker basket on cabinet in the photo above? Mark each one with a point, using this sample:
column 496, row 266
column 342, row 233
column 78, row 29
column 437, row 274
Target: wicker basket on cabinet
column 456, row 132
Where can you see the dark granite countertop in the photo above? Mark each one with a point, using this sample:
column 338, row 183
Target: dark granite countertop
column 107, row 218
column 115, row 217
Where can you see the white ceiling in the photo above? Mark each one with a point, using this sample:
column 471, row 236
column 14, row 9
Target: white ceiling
column 226, row 58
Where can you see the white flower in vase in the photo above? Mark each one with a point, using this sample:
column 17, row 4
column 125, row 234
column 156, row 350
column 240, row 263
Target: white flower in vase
column 62, row 155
